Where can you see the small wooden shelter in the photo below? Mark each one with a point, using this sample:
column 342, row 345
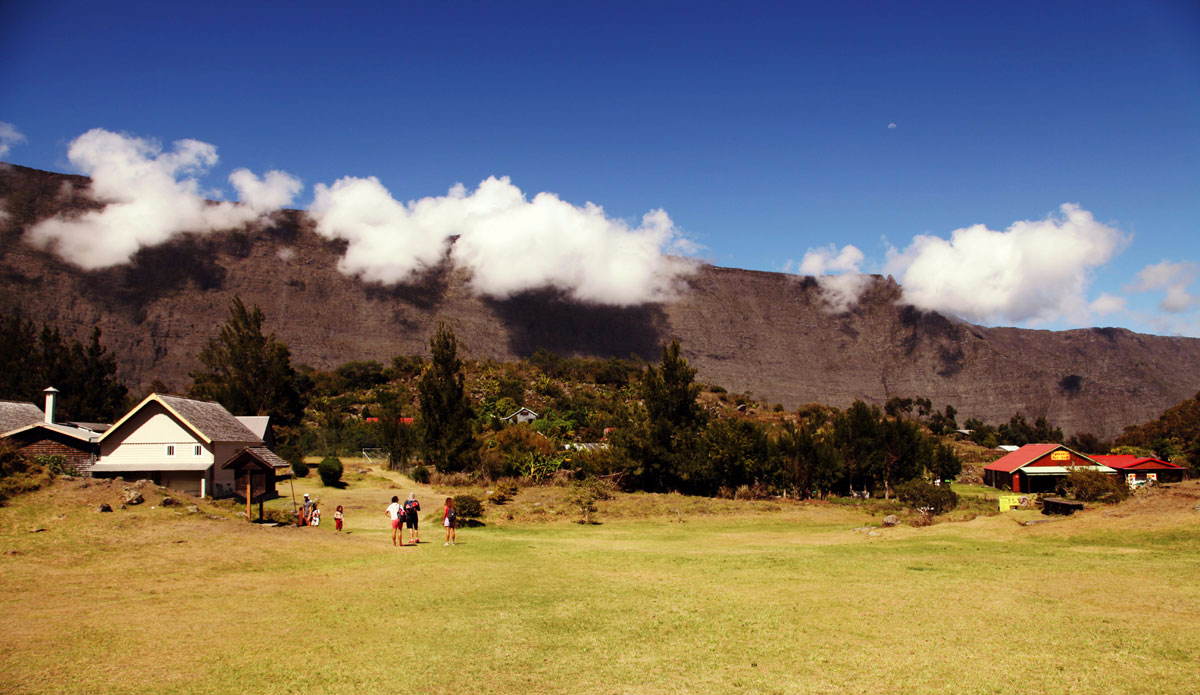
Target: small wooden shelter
column 254, row 475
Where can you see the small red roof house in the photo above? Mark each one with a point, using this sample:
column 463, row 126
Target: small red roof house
column 1037, row 468
column 401, row 420
column 1132, row 468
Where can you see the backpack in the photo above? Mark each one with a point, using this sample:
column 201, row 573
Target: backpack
column 453, row 515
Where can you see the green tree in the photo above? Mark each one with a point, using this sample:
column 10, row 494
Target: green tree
column 85, row 375
column 661, row 442
column 808, row 463
column 398, row 439
column 248, row 372
column 446, row 442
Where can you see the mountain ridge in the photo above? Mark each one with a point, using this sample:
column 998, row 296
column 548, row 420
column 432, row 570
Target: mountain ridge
column 767, row 333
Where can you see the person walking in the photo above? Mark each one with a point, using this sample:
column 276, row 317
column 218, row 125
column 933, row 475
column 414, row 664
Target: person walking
column 337, row 518
column 411, row 507
column 450, row 520
column 305, row 511
column 393, row 511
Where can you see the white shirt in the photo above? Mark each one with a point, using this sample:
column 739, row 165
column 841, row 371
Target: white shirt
column 393, row 510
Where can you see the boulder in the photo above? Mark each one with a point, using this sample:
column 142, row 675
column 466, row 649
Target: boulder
column 104, row 507
column 193, row 509
column 891, row 520
column 133, row 497
column 169, row 502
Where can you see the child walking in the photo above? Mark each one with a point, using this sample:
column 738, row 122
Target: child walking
column 337, row 518
column 450, row 520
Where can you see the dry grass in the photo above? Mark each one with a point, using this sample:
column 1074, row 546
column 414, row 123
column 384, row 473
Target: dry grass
column 741, row 597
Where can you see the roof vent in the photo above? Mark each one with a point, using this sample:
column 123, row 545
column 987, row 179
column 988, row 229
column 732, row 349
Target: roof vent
column 48, row 412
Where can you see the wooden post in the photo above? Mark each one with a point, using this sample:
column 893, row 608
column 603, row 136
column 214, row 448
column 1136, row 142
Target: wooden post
column 249, row 477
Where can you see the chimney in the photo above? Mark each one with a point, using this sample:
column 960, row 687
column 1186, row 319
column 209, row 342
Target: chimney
column 50, row 392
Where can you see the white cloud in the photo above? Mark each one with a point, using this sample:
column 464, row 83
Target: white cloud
column 891, row 126
column 9, row 136
column 838, row 274
column 509, row 244
column 1107, row 304
column 1035, row 271
column 149, row 196
column 1173, row 279
column 275, row 190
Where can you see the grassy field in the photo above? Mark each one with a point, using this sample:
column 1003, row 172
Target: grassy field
column 690, row 596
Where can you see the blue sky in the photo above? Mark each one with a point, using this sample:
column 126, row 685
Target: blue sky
column 761, row 129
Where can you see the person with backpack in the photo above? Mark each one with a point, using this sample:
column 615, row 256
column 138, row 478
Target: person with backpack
column 411, row 507
column 450, row 520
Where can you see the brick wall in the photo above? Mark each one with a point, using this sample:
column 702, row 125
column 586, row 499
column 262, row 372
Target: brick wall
column 81, row 461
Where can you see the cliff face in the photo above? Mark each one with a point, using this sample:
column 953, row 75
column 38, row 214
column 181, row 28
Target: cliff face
column 767, row 333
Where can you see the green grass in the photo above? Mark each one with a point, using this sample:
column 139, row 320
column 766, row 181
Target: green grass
column 742, row 598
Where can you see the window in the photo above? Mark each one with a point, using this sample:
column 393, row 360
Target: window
column 197, row 450
column 170, row 450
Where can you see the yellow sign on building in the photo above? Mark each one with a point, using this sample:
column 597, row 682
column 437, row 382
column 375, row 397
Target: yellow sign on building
column 1060, row 455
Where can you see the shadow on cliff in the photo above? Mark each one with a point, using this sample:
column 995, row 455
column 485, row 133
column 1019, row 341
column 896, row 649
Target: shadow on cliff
column 547, row 319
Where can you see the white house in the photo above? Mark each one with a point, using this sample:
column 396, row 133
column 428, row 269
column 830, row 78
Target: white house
column 179, row 443
column 522, row 415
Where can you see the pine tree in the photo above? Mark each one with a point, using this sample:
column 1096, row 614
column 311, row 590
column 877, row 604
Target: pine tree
column 446, row 416
column 248, row 372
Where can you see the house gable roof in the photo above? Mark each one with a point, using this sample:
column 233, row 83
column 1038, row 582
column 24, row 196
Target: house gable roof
column 79, row 433
column 258, row 424
column 1031, row 453
column 259, row 454
column 208, row 420
column 16, row 414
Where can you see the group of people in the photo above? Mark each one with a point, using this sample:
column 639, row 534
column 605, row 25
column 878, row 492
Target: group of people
column 309, row 514
column 406, row 516
column 402, row 516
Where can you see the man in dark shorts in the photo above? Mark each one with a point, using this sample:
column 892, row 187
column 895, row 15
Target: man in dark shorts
column 411, row 507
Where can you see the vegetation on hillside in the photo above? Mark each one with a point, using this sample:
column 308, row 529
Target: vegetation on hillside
column 84, row 374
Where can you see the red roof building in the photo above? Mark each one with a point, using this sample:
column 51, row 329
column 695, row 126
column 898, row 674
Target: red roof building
column 1037, row 468
column 1133, row 468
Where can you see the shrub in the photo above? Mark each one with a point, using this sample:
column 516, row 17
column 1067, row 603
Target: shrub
column 1093, row 486
column 330, row 470
column 299, row 469
column 583, row 498
column 55, row 463
column 468, row 506
column 505, row 491
column 419, row 475
column 922, row 495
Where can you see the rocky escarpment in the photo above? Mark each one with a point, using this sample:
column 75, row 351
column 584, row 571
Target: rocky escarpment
column 767, row 333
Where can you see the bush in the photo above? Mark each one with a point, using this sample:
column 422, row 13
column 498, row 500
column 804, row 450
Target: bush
column 419, row 475
column 468, row 506
column 299, row 469
column 505, row 491
column 922, row 495
column 330, row 470
column 583, row 498
column 1093, row 486
column 55, row 463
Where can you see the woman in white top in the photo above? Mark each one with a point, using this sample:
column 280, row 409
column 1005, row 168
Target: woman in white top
column 394, row 512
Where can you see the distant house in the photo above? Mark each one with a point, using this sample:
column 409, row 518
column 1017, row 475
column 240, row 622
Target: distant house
column 1037, row 468
column 1133, row 469
column 76, row 443
column 179, row 443
column 522, row 415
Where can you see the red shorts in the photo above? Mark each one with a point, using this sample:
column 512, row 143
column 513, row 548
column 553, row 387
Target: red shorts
column 395, row 524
